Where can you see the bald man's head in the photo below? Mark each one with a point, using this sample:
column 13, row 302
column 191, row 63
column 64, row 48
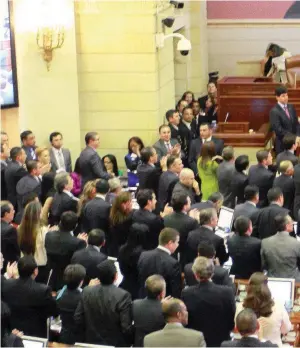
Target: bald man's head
column 187, row 177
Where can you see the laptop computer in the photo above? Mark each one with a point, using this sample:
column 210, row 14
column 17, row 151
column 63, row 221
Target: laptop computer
column 282, row 289
column 225, row 219
column 34, row 342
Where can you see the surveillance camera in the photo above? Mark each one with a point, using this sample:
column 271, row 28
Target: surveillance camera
column 177, row 4
column 168, row 22
column 184, row 46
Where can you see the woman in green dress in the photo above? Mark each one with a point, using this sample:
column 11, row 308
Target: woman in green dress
column 207, row 169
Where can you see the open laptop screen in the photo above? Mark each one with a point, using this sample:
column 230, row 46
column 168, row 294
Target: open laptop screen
column 282, row 289
column 34, row 342
column 225, row 218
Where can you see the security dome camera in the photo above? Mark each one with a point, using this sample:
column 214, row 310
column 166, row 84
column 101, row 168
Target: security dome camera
column 184, row 46
column 168, row 22
column 177, row 4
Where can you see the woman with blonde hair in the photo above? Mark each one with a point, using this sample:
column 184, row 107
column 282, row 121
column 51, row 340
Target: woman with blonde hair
column 120, row 222
column 272, row 316
column 31, row 238
column 43, row 157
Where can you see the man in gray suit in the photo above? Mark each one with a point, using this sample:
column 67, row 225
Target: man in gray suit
column 174, row 334
column 60, row 157
column 90, row 162
column 166, row 145
column 280, row 253
column 248, row 208
column 290, row 146
column 225, row 173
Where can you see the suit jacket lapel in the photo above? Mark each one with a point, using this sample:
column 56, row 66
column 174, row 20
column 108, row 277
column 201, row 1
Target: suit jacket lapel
column 53, row 158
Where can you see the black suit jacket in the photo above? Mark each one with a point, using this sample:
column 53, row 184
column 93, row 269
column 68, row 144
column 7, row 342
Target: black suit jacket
column 3, row 193
column 248, row 342
column 187, row 135
column 13, row 173
column 175, row 134
column 211, row 310
column 30, row 152
column 104, row 316
column 167, row 181
column 183, row 224
column 195, row 149
column 61, row 202
column 60, row 247
column 220, row 277
column 297, row 189
column 148, row 177
column 91, row 166
column 237, row 187
column 9, row 244
column 203, row 233
column 158, row 261
column 89, row 258
column 286, row 183
column 263, row 219
column 148, row 317
column 25, row 186
column 263, row 178
column 31, row 303
column 154, row 222
column 286, row 155
column 96, row 215
column 281, row 124
column 245, row 254
column 246, row 209
column 67, row 305
column 202, row 205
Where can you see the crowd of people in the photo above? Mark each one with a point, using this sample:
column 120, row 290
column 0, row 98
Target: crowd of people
column 142, row 265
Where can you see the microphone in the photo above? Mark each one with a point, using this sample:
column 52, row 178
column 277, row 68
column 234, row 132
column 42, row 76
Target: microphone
column 226, row 117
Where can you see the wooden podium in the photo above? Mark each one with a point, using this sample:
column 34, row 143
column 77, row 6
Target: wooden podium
column 248, row 100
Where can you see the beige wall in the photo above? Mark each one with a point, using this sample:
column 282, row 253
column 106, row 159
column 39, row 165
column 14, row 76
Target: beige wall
column 232, row 41
column 10, row 124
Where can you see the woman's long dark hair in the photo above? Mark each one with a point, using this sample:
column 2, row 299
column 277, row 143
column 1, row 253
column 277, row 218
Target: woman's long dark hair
column 186, row 93
column 138, row 140
column 207, row 152
column 117, row 214
column 259, row 297
column 47, row 186
column 113, row 160
column 136, row 238
column 77, row 167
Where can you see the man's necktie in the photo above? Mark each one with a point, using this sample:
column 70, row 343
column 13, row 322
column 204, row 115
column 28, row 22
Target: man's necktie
column 169, row 147
column 32, row 154
column 61, row 162
column 287, row 111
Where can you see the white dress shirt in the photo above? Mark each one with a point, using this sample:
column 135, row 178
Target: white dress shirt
column 59, row 156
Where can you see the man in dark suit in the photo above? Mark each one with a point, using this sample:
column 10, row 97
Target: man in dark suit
column 160, row 261
column 181, row 221
column 63, row 199
column 239, row 181
column 173, row 118
column 91, row 256
column 211, row 307
column 283, row 118
column 244, row 250
column 174, row 334
column 248, row 208
column 9, row 237
column 168, row 180
column 103, row 315
column 187, row 131
column 29, row 183
column 297, row 189
column 28, row 144
column 147, row 172
column 90, row 162
column 188, row 185
column 208, row 222
column 166, row 145
column 286, row 183
column 261, row 176
column 61, row 245
column 225, row 173
column 14, row 172
column 59, row 156
column 4, row 164
column 147, row 313
column 290, row 146
column 96, row 211
column 146, row 199
column 206, row 132
column 31, row 303
column 248, row 327
column 215, row 200
column 220, row 276
column 263, row 219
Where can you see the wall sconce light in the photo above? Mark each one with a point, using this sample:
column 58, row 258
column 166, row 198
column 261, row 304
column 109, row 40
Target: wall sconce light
column 48, row 39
